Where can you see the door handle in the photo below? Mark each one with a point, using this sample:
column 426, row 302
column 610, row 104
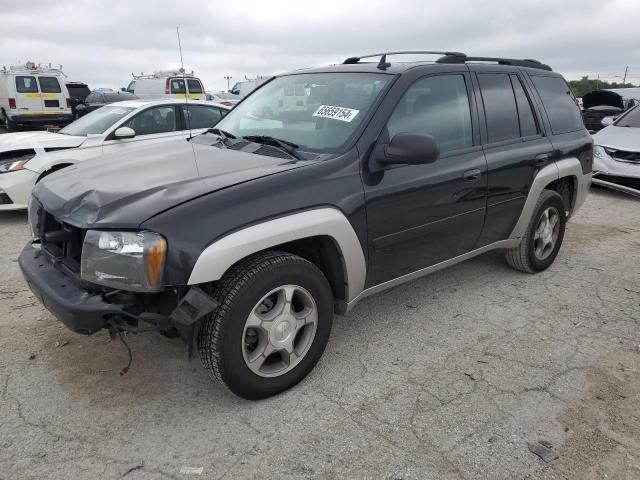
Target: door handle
column 472, row 175
column 542, row 159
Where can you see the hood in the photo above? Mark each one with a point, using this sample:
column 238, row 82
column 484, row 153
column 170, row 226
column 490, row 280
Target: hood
column 46, row 140
column 619, row 138
column 602, row 97
column 124, row 190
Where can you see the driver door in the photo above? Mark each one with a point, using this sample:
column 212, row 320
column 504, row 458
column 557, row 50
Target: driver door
column 420, row 215
column 153, row 125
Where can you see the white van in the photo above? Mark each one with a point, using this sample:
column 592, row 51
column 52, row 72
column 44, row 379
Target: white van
column 32, row 95
column 167, row 84
column 245, row 87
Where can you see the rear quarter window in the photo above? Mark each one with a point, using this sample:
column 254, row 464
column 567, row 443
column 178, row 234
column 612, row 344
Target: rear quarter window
column 26, row 84
column 562, row 110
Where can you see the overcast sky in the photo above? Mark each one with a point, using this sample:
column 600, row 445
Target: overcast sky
column 102, row 43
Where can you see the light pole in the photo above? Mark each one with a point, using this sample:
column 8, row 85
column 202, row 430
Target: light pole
column 227, row 78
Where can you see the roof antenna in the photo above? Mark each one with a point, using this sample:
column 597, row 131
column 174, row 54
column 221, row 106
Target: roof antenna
column 184, row 82
column 383, row 64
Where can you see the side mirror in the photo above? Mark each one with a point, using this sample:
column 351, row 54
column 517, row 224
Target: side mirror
column 406, row 149
column 606, row 121
column 123, row 133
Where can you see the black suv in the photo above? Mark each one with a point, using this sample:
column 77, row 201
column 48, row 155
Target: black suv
column 245, row 240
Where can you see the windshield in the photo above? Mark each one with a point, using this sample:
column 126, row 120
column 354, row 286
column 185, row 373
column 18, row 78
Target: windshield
column 317, row 111
column 631, row 119
column 96, row 122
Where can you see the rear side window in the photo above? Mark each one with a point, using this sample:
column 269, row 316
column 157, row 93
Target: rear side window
column 437, row 106
column 200, row 116
column 177, row 85
column 26, row 85
column 194, row 86
column 499, row 106
column 561, row 108
column 528, row 125
column 49, row 85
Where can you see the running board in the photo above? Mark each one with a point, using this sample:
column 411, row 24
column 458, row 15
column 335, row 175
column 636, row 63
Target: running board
column 510, row 243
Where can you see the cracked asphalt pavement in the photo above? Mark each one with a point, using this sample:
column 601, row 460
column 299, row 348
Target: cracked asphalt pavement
column 448, row 377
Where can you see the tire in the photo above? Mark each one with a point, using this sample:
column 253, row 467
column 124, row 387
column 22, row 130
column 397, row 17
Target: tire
column 226, row 337
column 9, row 126
column 529, row 257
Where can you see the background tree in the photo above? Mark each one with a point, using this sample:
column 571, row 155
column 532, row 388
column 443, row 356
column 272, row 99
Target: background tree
column 586, row 85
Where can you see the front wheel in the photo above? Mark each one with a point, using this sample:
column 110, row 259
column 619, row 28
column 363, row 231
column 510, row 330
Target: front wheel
column 543, row 238
column 271, row 327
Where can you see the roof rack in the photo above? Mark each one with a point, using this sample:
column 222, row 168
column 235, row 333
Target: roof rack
column 450, row 57
column 527, row 62
column 383, row 64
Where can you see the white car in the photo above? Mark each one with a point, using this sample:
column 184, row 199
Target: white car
column 616, row 155
column 27, row 157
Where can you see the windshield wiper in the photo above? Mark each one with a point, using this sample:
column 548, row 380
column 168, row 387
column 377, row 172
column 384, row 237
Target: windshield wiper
column 288, row 147
column 222, row 133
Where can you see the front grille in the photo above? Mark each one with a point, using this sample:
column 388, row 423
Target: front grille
column 60, row 240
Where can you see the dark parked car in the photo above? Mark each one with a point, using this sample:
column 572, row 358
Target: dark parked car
column 246, row 240
column 607, row 103
column 78, row 91
column 97, row 99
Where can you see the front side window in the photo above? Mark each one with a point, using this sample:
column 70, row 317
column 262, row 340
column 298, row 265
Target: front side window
column 285, row 109
column 436, row 106
column 177, row 85
column 194, row 85
column 154, row 120
column 564, row 115
column 26, row 84
column 499, row 106
column 631, row 119
column 49, row 85
column 200, row 116
column 131, row 87
column 96, row 122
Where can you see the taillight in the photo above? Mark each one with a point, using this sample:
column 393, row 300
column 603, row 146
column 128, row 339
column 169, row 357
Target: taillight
column 12, row 103
column 69, row 102
column 166, row 88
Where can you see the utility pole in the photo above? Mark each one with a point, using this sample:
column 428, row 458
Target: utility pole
column 624, row 80
column 227, row 78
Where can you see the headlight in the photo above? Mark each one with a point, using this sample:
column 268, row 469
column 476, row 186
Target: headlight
column 15, row 163
column 131, row 261
column 597, row 152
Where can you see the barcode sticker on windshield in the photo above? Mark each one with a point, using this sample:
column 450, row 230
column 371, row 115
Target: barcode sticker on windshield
column 337, row 113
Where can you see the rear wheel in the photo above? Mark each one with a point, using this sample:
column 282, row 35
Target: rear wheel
column 9, row 126
column 543, row 238
column 271, row 327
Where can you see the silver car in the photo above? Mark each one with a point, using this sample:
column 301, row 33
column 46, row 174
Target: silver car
column 616, row 159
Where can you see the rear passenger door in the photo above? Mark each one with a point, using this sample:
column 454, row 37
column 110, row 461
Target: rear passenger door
column 53, row 101
column 514, row 145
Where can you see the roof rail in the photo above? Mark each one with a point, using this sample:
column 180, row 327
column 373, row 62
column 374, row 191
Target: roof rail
column 527, row 62
column 352, row 60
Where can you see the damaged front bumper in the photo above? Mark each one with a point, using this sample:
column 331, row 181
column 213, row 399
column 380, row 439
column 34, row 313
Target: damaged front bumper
column 85, row 311
column 621, row 174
